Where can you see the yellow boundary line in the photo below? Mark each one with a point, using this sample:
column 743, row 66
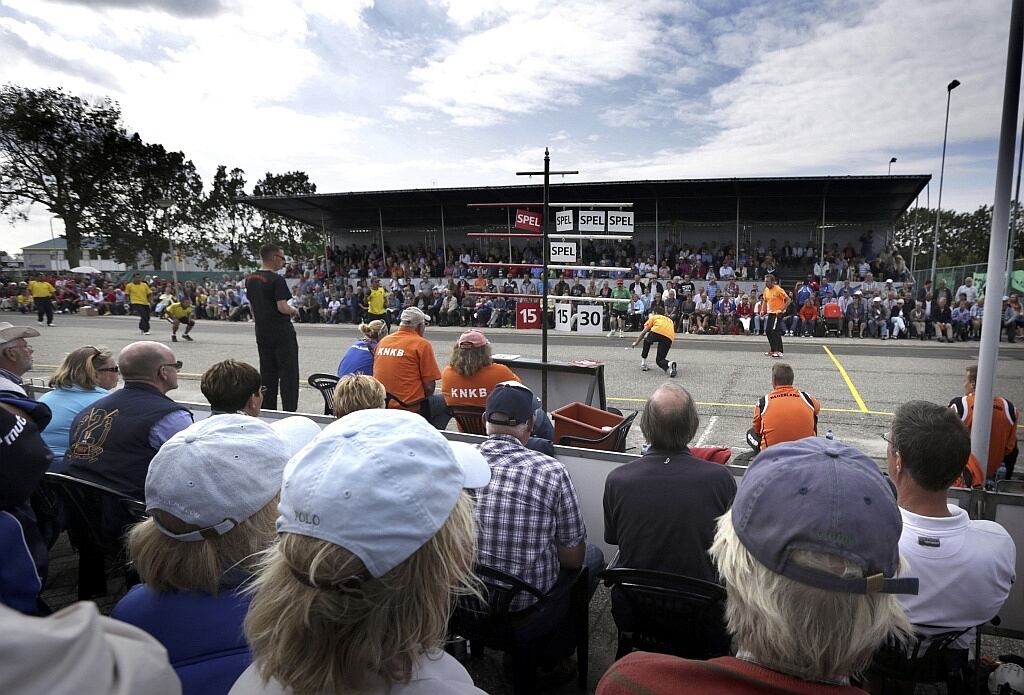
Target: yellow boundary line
column 712, row 404
column 849, row 382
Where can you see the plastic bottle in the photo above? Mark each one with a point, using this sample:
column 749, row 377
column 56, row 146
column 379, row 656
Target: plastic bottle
column 1001, row 472
column 829, row 435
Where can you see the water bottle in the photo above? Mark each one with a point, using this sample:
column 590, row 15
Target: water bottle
column 829, row 435
column 1001, row 473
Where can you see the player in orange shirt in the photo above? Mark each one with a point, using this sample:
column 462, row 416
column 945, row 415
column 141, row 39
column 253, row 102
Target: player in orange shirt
column 659, row 329
column 774, row 301
column 785, row 414
column 1002, row 443
column 404, row 362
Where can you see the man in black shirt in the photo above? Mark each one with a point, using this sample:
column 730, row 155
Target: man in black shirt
column 268, row 295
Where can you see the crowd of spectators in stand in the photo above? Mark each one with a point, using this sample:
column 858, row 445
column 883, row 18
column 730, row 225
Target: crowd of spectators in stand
column 697, row 286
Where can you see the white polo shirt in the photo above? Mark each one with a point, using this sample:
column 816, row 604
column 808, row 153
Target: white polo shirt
column 965, row 568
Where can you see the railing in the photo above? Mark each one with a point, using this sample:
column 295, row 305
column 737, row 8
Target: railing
column 954, row 275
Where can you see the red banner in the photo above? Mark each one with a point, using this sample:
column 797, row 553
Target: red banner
column 528, row 220
column 528, row 315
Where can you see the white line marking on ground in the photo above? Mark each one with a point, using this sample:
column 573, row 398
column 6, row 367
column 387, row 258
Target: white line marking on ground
column 707, row 430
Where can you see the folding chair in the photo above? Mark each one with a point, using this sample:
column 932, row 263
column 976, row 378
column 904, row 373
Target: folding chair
column 613, row 440
column 325, row 383
column 469, row 417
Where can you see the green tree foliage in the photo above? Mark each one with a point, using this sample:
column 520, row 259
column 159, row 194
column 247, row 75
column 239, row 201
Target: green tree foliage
column 231, row 227
column 61, row 152
column 963, row 236
column 296, row 238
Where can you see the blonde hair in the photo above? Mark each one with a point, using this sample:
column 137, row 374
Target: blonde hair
column 315, row 630
column 373, row 329
column 796, row 628
column 79, row 368
column 358, row 392
column 166, row 564
column 469, row 361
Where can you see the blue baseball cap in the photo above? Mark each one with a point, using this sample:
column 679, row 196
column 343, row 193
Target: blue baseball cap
column 510, row 404
column 822, row 496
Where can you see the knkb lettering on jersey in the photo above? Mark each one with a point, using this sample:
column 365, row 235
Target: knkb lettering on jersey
column 391, row 352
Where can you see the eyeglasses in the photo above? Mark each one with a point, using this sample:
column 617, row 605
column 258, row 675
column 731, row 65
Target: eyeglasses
column 263, row 390
column 177, row 365
column 888, row 440
column 115, row 369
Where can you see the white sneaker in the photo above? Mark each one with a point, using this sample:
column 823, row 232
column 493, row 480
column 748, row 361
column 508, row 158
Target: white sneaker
column 40, row 323
column 618, row 333
column 644, row 367
column 611, row 334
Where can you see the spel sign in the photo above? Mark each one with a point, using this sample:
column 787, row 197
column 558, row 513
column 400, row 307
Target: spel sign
column 528, row 220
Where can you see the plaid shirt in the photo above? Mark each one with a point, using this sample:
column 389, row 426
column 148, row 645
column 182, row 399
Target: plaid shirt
column 528, row 508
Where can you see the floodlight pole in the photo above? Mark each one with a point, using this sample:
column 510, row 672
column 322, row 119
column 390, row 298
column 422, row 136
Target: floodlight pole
column 891, row 162
column 991, row 325
column 544, row 270
column 942, row 170
column 164, row 204
column 1014, row 219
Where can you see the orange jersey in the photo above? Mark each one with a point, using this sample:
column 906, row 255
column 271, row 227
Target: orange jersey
column 1005, row 419
column 473, row 390
column 774, row 300
column 402, row 362
column 785, row 415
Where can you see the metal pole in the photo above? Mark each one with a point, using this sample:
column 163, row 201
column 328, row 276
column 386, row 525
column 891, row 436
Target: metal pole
column 657, row 239
column 942, row 170
column 991, row 324
column 736, row 259
column 444, row 242
column 824, row 194
column 508, row 228
column 544, row 278
column 380, row 221
column 54, row 256
column 1016, row 215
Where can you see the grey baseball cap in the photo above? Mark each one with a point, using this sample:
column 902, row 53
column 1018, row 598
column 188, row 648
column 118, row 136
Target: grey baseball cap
column 822, row 496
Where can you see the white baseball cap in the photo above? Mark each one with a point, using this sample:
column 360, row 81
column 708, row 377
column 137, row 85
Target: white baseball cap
column 379, row 483
column 216, row 473
column 297, row 431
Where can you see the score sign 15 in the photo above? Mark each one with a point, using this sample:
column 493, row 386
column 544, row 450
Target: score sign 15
column 528, row 220
column 528, row 315
column 563, row 317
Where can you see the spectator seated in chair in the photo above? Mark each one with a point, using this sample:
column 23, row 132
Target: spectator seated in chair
column 358, row 358
column 358, row 392
column 232, row 386
column 785, row 414
column 404, row 362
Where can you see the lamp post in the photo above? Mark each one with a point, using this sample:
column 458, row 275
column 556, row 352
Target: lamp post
column 891, row 162
column 942, row 170
column 164, row 204
column 53, row 245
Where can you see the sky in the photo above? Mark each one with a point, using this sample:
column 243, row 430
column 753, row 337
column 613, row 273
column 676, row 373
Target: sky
column 385, row 94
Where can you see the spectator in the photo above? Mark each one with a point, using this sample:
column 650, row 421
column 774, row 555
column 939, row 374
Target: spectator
column 809, row 602
column 977, row 314
column 358, row 392
column 1002, row 445
column 943, row 292
column 808, row 318
column 961, row 317
column 919, row 320
column 359, row 601
column 702, row 313
column 942, row 319
column 660, row 509
column 968, row 290
column 856, row 318
column 1011, row 317
column 926, row 452
column 232, row 386
column 745, row 314
column 785, row 414
column 529, row 518
column 619, row 309
column 358, row 359
column 687, row 310
column 899, row 319
column 15, row 356
column 212, row 493
column 878, row 319
column 404, row 362
column 86, row 375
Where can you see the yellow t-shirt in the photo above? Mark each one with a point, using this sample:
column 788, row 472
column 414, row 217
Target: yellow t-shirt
column 137, row 293
column 40, row 289
column 662, row 325
column 375, row 301
column 177, row 311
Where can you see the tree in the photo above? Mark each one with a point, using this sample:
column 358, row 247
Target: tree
column 296, row 238
column 61, row 152
column 963, row 236
column 232, row 226
column 136, row 223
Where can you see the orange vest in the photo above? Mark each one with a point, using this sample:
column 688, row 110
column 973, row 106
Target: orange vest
column 785, row 415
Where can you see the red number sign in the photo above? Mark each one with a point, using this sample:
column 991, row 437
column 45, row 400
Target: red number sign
column 528, row 315
column 528, row 220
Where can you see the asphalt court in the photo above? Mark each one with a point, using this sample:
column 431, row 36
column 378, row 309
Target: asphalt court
column 725, row 375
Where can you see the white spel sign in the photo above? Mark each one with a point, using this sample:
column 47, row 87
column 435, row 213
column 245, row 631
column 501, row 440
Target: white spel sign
column 589, row 318
column 591, row 221
column 563, row 317
column 563, row 221
column 620, row 222
column 562, row 252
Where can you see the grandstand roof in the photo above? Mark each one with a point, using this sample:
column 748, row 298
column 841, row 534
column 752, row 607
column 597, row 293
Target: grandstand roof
column 846, row 199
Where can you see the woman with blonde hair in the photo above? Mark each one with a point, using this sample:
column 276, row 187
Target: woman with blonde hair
column 358, row 359
column 86, row 375
column 358, row 392
column 376, row 534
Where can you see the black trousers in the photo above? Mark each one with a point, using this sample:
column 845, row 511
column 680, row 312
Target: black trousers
column 663, row 347
column 142, row 311
column 44, row 307
column 773, row 329
column 279, row 364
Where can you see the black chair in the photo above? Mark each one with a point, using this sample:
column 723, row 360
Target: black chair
column 325, row 383
column 898, row 669
column 613, row 440
column 420, row 407
column 96, row 518
column 667, row 613
column 469, row 417
column 490, row 623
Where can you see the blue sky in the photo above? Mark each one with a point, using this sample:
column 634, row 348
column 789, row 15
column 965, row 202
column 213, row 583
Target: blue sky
column 366, row 95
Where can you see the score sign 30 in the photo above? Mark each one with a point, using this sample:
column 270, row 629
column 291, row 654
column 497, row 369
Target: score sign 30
column 528, row 220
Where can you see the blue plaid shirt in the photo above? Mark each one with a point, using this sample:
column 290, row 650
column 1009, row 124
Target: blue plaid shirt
column 528, row 509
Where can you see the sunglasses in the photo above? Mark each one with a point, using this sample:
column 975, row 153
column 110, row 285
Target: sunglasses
column 115, row 369
column 177, row 365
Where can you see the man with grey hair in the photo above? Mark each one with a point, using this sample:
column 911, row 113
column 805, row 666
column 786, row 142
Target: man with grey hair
column 404, row 362
column 15, row 356
column 809, row 554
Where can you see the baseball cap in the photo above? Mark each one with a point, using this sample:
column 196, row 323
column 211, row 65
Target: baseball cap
column 297, row 431
column 823, row 496
column 413, row 316
column 509, row 403
column 379, row 483
column 877, row 299
column 473, row 339
column 9, row 331
column 216, row 473
column 619, row 281
column 858, row 292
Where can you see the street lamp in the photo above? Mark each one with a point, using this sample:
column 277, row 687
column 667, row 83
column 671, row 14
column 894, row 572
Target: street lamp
column 891, row 162
column 942, row 171
column 164, row 204
column 54, row 256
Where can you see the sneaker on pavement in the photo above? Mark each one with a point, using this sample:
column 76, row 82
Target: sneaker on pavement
column 40, row 323
column 672, row 369
column 644, row 368
column 611, row 334
column 188, row 338
column 174, row 338
column 145, row 332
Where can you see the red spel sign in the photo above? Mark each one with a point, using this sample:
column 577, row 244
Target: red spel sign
column 528, row 220
column 528, row 315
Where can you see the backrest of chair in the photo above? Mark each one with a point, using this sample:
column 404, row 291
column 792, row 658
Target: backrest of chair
column 622, row 431
column 325, row 383
column 501, row 588
column 98, row 510
column 469, row 417
column 926, row 659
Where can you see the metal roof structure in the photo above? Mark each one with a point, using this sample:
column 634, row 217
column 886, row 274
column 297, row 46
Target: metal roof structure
column 832, row 199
